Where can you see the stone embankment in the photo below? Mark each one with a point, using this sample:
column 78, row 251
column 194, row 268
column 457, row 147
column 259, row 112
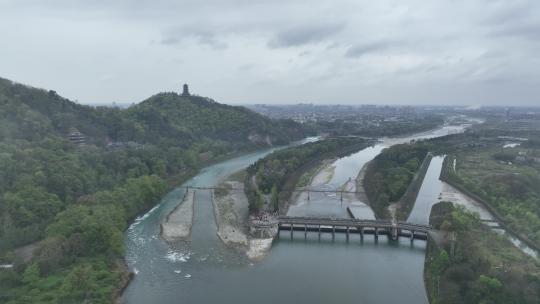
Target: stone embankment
column 360, row 191
column 262, row 231
column 177, row 225
column 231, row 213
column 235, row 228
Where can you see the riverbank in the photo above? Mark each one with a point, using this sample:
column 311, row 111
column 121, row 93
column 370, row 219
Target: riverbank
column 360, row 191
column 473, row 264
column 306, row 179
column 177, row 225
column 231, row 210
column 125, row 277
column 313, row 177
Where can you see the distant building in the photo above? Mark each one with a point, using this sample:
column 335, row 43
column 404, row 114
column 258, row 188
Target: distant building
column 185, row 91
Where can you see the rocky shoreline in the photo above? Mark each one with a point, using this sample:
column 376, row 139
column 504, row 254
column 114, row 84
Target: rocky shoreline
column 360, row 191
column 231, row 211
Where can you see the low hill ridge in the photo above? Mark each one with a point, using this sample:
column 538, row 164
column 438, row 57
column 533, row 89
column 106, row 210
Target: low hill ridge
column 30, row 113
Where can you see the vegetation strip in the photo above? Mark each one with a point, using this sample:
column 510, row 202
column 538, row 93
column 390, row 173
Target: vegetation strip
column 390, row 174
column 407, row 200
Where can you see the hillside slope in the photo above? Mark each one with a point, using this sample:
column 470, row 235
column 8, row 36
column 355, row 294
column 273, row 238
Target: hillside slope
column 189, row 118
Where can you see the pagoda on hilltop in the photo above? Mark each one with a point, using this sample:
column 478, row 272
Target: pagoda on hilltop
column 185, row 91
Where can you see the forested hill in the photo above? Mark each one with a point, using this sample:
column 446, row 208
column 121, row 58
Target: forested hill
column 70, row 198
column 31, row 114
column 166, row 118
column 191, row 117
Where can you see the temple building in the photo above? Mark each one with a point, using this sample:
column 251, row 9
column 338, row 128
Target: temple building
column 185, row 92
column 76, row 137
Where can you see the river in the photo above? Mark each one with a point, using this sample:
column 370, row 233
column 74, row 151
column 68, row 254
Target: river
column 297, row 270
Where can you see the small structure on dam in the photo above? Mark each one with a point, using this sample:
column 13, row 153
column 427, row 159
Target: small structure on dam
column 263, row 227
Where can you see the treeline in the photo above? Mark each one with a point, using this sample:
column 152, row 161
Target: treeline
column 279, row 171
column 72, row 202
column 479, row 266
column 390, row 173
column 408, row 125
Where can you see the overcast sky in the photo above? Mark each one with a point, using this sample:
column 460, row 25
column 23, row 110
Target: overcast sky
column 272, row 51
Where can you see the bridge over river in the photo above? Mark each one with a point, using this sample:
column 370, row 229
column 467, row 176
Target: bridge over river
column 355, row 226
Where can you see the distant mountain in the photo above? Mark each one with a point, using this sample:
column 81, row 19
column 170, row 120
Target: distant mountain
column 30, row 113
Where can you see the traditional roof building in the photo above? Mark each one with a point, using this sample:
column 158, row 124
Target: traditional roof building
column 185, row 91
column 77, row 138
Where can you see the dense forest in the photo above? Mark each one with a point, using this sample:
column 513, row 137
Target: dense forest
column 389, row 174
column 278, row 172
column 70, row 200
column 479, row 265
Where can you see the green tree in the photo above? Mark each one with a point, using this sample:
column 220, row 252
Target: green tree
column 31, row 274
column 77, row 284
column 274, row 199
column 441, row 262
column 260, row 201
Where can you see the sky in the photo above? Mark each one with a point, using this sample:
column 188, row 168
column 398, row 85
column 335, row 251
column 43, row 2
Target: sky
column 453, row 52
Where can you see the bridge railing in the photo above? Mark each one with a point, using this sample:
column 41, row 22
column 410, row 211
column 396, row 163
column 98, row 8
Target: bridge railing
column 351, row 222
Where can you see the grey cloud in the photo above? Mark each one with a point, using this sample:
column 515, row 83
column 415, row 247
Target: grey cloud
column 507, row 12
column 179, row 35
column 366, row 48
column 306, row 34
column 531, row 32
column 518, row 19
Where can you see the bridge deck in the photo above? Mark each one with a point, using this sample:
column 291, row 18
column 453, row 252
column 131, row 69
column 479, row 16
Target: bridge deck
column 352, row 223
